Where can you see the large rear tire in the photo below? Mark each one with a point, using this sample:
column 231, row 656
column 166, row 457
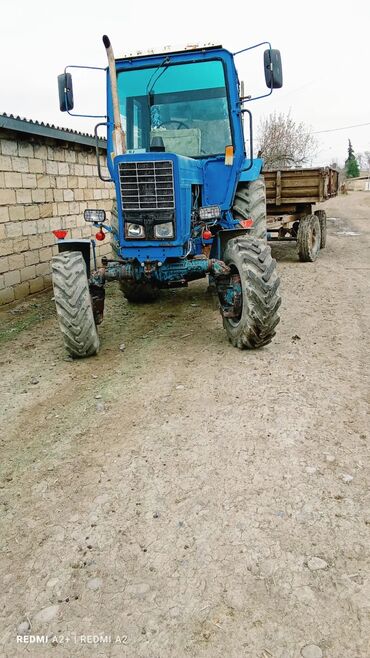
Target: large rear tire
column 139, row 293
column 250, row 260
column 321, row 214
column 308, row 238
column 250, row 202
column 73, row 304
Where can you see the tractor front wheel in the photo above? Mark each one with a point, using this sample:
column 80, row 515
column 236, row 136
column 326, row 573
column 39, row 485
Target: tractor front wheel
column 73, row 304
column 253, row 287
column 139, row 293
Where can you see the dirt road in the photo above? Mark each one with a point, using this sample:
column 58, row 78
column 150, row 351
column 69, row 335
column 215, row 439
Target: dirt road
column 183, row 497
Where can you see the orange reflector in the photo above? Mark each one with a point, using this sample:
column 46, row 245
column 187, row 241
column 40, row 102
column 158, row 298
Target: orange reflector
column 246, row 223
column 60, row 233
column 229, row 155
column 207, row 234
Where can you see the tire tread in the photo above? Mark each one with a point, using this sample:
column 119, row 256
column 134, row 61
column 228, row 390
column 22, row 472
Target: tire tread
column 250, row 201
column 261, row 298
column 73, row 304
column 306, row 252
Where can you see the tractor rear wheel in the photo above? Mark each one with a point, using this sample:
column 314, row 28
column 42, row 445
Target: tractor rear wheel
column 321, row 214
column 250, row 203
column 253, row 273
column 139, row 293
column 308, row 238
column 73, row 304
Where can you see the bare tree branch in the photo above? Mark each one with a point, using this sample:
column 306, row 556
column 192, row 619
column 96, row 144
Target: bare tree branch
column 285, row 143
column 363, row 159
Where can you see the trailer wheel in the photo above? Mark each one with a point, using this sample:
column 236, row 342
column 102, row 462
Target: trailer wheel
column 250, row 203
column 139, row 293
column 254, row 277
column 308, row 238
column 321, row 214
column 73, row 304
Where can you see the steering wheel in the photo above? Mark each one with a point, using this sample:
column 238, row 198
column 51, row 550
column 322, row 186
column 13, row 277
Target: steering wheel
column 180, row 124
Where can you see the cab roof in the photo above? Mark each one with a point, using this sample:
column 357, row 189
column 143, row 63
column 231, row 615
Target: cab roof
column 167, row 51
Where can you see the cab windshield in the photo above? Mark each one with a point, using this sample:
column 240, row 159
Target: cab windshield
column 179, row 108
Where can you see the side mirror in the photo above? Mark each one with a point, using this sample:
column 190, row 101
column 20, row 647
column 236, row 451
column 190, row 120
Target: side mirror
column 65, row 92
column 273, row 69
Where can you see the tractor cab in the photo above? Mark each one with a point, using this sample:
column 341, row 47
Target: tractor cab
column 184, row 148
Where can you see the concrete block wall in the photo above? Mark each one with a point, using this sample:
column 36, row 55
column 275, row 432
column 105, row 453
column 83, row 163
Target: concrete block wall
column 45, row 184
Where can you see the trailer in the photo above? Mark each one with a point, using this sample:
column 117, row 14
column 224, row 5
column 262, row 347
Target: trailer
column 290, row 197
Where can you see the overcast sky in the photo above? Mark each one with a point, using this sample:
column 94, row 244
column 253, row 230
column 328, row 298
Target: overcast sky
column 325, row 50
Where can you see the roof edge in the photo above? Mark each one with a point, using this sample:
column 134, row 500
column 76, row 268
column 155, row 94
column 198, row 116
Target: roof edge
column 18, row 124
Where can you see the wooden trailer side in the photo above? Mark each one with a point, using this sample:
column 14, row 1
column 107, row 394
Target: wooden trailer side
column 287, row 188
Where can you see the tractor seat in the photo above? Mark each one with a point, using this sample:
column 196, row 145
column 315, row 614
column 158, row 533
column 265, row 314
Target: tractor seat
column 185, row 141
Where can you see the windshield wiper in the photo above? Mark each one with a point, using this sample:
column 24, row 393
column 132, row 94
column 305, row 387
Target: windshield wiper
column 150, row 85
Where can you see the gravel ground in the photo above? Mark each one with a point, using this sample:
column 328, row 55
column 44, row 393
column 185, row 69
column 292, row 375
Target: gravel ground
column 181, row 498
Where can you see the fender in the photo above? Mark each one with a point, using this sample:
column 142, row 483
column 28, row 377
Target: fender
column 251, row 172
column 221, row 239
column 80, row 245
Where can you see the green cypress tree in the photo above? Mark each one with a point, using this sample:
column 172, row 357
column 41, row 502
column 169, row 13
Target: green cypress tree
column 351, row 166
column 351, row 153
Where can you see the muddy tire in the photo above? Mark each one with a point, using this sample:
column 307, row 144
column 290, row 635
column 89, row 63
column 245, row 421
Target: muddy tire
column 321, row 214
column 308, row 238
column 73, row 304
column 260, row 299
column 139, row 293
column 250, row 202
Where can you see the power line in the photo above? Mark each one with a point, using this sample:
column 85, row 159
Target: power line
column 331, row 130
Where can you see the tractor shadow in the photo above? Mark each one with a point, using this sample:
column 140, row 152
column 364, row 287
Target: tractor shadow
column 284, row 252
column 177, row 315
column 176, row 312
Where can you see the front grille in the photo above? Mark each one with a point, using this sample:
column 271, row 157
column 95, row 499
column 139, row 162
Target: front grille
column 147, row 185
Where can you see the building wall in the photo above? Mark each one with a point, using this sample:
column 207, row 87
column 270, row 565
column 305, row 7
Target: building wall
column 357, row 184
column 45, row 184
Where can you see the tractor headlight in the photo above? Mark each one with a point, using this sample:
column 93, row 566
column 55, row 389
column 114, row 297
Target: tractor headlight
column 94, row 216
column 209, row 212
column 163, row 231
column 135, row 231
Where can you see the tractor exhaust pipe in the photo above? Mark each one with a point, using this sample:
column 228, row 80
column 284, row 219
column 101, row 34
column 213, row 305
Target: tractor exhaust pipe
column 119, row 137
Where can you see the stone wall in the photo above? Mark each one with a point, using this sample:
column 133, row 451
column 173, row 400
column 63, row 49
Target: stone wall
column 45, row 184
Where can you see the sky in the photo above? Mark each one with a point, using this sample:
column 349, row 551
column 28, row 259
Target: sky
column 325, row 52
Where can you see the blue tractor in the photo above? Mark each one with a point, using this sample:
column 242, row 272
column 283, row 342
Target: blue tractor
column 190, row 201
